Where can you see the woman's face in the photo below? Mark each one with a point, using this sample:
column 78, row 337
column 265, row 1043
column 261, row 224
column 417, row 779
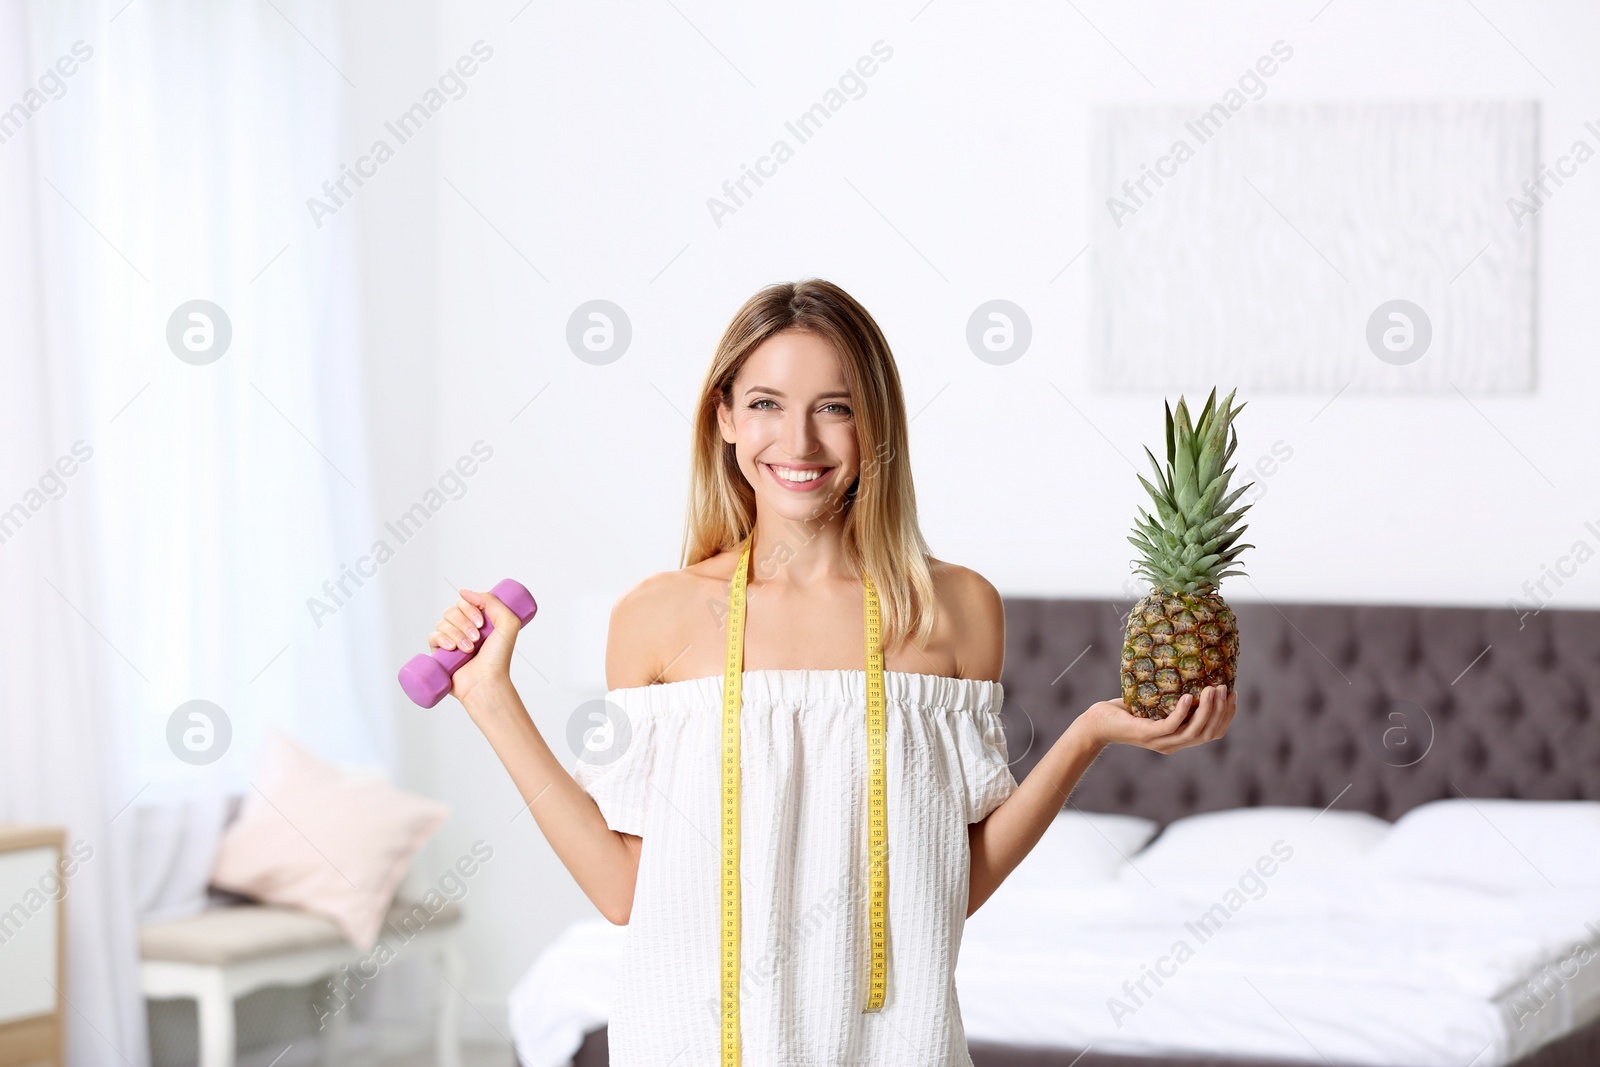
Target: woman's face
column 793, row 427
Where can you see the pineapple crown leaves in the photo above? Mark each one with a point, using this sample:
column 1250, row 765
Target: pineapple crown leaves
column 1191, row 543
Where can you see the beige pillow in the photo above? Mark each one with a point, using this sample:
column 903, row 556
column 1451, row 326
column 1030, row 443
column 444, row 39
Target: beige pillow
column 313, row 837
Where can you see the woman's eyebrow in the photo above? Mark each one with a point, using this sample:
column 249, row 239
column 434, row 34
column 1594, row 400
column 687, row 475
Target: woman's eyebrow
column 774, row 392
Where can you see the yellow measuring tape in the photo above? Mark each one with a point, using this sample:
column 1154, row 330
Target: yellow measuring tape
column 877, row 817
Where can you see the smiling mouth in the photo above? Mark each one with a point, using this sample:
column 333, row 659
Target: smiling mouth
column 797, row 479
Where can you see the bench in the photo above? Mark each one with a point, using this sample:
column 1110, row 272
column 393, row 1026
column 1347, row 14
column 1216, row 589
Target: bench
column 224, row 953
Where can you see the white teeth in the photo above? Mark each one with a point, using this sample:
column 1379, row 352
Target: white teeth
column 790, row 475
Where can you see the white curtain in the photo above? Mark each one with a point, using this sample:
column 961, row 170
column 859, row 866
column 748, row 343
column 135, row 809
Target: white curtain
column 57, row 757
column 164, row 154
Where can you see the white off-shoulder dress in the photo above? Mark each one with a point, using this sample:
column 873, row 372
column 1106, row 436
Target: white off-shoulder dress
column 803, row 862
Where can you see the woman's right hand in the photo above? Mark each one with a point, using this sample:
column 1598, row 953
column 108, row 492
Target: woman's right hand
column 1193, row 722
column 461, row 628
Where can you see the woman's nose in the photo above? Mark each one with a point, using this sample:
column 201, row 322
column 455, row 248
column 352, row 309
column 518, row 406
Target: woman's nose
column 799, row 435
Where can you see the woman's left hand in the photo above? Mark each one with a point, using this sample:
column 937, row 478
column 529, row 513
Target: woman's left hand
column 1191, row 723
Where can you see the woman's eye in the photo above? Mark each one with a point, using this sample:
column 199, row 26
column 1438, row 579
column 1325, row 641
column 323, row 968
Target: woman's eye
column 843, row 410
column 759, row 401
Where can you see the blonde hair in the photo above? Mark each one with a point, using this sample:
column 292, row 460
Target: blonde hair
column 881, row 535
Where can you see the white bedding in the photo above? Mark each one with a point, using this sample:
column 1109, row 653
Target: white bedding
column 1349, row 967
column 1347, row 970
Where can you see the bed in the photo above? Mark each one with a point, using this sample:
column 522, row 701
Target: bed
column 1434, row 775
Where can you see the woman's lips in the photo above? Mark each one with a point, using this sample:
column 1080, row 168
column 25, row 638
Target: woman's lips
column 797, row 487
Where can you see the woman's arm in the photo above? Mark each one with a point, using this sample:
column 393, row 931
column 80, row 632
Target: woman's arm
column 1000, row 841
column 604, row 862
column 977, row 622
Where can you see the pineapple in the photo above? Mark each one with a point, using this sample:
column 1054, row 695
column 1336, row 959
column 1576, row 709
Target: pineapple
column 1182, row 636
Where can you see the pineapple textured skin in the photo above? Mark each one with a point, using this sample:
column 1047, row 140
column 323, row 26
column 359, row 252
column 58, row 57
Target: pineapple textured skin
column 1177, row 643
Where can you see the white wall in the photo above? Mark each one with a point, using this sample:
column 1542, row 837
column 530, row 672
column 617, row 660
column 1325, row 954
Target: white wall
column 578, row 166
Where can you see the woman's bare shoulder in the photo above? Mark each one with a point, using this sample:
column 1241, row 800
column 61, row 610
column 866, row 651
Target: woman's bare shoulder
column 972, row 619
column 653, row 619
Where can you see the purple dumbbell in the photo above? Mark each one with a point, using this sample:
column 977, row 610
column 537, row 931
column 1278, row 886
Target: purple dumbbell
column 426, row 678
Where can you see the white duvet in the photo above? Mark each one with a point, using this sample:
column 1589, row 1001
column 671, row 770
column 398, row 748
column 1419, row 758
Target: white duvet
column 1343, row 968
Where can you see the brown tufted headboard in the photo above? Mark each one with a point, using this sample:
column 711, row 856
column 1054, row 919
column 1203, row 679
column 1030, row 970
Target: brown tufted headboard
column 1401, row 704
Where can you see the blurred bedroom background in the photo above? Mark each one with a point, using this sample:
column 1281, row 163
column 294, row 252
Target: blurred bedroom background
column 313, row 313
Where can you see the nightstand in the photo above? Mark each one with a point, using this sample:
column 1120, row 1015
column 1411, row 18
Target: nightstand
column 33, row 946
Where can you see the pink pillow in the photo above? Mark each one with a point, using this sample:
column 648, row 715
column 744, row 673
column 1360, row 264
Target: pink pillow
column 315, row 838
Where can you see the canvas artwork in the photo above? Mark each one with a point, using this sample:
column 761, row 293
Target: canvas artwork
column 1379, row 247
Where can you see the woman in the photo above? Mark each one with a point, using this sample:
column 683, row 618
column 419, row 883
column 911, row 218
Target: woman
column 802, row 519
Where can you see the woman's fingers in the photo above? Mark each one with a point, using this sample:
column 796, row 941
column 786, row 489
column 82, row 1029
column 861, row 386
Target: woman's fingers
column 1209, row 697
column 1186, row 722
column 461, row 627
column 456, row 624
column 462, row 620
column 1178, row 720
column 472, row 609
column 1212, row 700
column 462, row 624
column 1179, row 716
column 1226, row 704
column 488, row 606
column 1229, row 706
column 452, row 637
column 1157, row 734
column 456, row 630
